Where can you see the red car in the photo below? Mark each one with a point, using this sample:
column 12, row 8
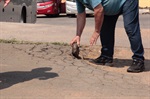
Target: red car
column 48, row 7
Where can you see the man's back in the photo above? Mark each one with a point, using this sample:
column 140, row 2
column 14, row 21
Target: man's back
column 111, row 7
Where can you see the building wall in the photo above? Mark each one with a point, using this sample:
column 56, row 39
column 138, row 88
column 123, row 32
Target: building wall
column 144, row 3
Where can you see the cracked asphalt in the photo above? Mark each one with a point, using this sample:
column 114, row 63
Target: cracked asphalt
column 48, row 71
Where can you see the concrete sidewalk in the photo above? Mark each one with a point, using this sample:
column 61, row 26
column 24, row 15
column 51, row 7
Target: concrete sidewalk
column 48, row 71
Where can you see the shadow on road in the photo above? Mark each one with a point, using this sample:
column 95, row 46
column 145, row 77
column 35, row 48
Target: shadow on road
column 50, row 16
column 8, row 79
column 63, row 15
column 120, row 63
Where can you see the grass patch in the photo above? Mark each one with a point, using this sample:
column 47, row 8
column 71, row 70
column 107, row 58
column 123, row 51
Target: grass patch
column 60, row 43
column 8, row 41
column 14, row 41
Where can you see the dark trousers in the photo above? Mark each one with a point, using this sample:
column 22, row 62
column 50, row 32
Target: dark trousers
column 130, row 12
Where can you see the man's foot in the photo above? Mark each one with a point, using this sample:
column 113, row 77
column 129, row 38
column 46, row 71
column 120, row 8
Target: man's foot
column 137, row 66
column 103, row 61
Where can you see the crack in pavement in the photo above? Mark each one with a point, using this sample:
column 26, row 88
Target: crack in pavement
column 80, row 75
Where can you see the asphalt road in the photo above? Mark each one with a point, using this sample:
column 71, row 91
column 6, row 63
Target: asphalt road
column 47, row 71
column 64, row 20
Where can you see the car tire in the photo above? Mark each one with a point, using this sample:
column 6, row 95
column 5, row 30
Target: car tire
column 71, row 15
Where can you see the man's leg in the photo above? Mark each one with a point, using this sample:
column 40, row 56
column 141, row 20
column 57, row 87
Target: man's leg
column 107, row 40
column 107, row 35
column 132, row 27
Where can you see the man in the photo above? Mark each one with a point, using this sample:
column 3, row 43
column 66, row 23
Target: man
column 106, row 13
column 6, row 2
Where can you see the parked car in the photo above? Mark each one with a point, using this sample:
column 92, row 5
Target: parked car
column 48, row 7
column 71, row 8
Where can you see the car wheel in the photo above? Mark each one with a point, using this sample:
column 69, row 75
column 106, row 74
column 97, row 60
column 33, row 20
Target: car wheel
column 71, row 15
column 47, row 15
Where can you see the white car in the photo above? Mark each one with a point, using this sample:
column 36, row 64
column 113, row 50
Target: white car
column 71, row 8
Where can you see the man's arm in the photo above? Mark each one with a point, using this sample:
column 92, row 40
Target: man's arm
column 81, row 20
column 5, row 2
column 99, row 16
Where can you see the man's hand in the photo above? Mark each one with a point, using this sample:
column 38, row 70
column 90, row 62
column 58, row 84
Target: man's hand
column 94, row 38
column 75, row 39
column 6, row 2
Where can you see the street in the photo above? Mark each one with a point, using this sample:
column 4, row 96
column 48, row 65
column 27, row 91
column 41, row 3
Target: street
column 67, row 21
column 69, row 26
column 47, row 70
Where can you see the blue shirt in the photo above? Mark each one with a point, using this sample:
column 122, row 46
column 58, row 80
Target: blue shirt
column 111, row 7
